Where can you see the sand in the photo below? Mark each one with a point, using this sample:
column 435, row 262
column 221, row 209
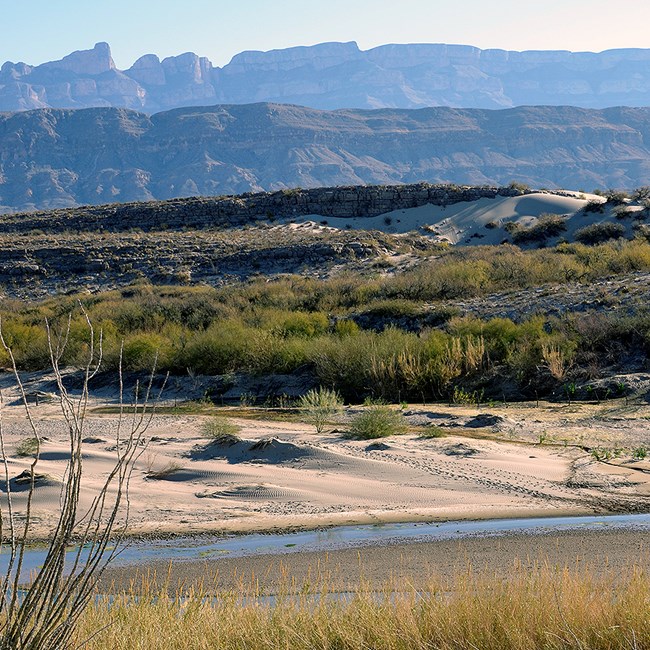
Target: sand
column 469, row 222
column 488, row 465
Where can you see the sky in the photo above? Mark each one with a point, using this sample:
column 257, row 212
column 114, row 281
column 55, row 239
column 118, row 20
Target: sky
column 45, row 30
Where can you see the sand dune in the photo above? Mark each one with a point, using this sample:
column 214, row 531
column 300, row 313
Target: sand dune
column 474, row 222
column 183, row 483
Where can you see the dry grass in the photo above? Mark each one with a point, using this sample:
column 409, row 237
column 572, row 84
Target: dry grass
column 547, row 608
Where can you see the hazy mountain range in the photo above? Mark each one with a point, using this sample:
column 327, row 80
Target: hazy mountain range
column 335, row 75
column 57, row 158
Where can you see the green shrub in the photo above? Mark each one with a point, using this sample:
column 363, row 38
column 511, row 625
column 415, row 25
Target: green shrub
column 221, row 430
column 616, row 197
column 548, row 225
column 377, row 422
column 432, row 431
column 320, row 405
column 346, row 327
column 599, row 232
column 221, row 349
column 27, row 448
column 594, row 206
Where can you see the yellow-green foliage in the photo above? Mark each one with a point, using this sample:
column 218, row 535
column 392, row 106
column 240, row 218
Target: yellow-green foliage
column 279, row 326
column 541, row 609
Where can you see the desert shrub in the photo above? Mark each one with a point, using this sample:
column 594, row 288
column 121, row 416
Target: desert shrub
column 363, row 363
column 146, row 350
column 641, row 193
column 28, row 448
column 29, row 345
column 320, row 405
column 520, row 187
column 599, row 232
column 220, row 429
column 548, row 225
column 271, row 354
column 642, row 231
column 498, row 334
column 346, row 327
column 432, row 431
column 165, row 472
column 616, row 197
column 377, row 422
column 299, row 323
column 594, row 206
column 221, row 349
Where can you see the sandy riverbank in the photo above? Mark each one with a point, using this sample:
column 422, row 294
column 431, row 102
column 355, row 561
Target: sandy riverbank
column 509, row 462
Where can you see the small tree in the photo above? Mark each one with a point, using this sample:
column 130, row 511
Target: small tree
column 45, row 614
column 320, row 405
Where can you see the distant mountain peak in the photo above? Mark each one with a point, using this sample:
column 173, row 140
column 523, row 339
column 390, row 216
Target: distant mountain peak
column 336, row 75
column 86, row 62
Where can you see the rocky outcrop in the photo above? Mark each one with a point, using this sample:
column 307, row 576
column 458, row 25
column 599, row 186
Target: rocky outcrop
column 84, row 62
column 61, row 158
column 245, row 209
column 336, row 75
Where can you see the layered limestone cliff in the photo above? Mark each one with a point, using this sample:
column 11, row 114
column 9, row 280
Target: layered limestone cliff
column 336, row 75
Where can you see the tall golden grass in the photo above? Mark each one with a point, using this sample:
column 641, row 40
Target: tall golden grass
column 544, row 608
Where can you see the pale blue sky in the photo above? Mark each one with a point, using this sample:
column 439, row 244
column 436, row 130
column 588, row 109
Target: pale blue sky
column 40, row 30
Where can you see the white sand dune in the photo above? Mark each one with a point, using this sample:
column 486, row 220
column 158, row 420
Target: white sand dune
column 185, row 483
column 472, row 222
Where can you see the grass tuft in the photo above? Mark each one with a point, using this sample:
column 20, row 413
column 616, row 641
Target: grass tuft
column 377, row 422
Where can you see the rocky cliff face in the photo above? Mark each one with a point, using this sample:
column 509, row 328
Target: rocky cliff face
column 198, row 213
column 336, row 75
column 58, row 158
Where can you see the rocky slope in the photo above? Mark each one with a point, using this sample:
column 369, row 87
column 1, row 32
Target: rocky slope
column 335, row 75
column 317, row 233
column 58, row 158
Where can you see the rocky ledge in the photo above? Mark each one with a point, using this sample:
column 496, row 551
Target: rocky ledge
column 236, row 211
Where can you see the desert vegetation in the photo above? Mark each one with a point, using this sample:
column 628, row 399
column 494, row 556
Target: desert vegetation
column 377, row 421
column 41, row 611
column 543, row 608
column 392, row 336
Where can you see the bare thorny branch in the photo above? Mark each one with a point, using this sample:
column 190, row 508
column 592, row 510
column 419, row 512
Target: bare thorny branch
column 44, row 617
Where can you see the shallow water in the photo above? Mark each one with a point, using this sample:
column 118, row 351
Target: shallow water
column 212, row 547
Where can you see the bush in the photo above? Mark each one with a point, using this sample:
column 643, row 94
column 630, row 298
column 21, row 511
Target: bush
column 432, row 431
column 520, row 187
column 642, row 231
column 599, row 232
column 616, row 197
column 143, row 351
column 641, row 193
column 28, row 448
column 548, row 225
column 221, row 430
column 594, row 206
column 377, row 422
column 320, row 405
